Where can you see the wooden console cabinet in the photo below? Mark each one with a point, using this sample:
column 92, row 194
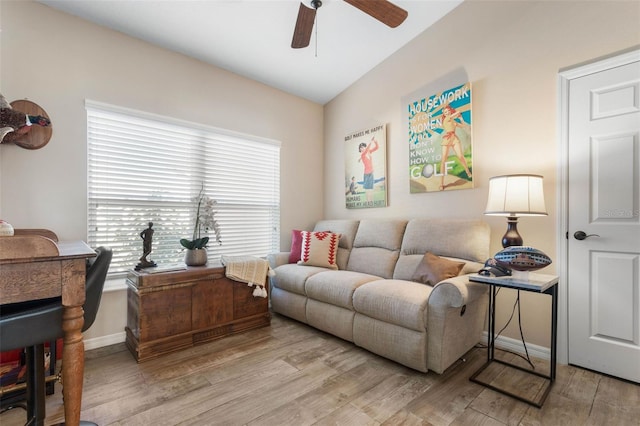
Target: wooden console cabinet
column 169, row 311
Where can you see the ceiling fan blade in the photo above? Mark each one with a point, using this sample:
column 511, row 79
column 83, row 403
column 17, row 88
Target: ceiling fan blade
column 304, row 27
column 382, row 10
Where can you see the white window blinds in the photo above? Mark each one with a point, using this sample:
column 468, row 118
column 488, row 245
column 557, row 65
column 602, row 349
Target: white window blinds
column 145, row 168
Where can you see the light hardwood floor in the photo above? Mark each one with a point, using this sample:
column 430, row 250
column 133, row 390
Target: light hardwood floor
column 291, row 374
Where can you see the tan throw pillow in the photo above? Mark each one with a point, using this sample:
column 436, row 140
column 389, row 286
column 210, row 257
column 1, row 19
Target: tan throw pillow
column 319, row 249
column 433, row 269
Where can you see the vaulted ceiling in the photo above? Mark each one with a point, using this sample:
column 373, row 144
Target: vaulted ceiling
column 253, row 38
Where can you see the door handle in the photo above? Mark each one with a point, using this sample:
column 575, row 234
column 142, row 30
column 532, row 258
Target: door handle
column 581, row 235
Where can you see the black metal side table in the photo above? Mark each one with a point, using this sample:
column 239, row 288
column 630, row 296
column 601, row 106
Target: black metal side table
column 534, row 282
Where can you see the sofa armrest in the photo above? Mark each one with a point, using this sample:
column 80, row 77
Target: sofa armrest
column 278, row 258
column 456, row 292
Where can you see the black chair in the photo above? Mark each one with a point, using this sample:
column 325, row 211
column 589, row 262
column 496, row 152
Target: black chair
column 30, row 324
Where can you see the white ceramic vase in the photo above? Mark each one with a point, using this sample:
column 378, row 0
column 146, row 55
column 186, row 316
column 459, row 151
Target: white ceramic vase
column 196, row 257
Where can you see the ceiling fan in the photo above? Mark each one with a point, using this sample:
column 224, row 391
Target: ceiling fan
column 382, row 10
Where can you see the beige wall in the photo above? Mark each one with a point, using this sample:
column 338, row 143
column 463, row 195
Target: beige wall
column 58, row 61
column 511, row 52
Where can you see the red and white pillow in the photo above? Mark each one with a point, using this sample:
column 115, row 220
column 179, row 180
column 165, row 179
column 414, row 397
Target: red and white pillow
column 296, row 246
column 319, row 249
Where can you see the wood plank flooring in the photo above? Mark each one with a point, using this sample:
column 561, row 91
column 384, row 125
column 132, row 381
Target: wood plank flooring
column 292, row 374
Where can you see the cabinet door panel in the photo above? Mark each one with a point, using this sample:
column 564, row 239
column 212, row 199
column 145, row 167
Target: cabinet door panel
column 245, row 303
column 165, row 313
column 212, row 303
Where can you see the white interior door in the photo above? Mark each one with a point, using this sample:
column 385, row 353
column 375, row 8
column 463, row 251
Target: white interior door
column 603, row 287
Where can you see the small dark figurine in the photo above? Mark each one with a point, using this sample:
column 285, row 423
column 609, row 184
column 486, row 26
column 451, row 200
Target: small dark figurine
column 147, row 238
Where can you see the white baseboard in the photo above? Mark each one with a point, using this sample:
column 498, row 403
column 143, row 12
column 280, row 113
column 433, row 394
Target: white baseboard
column 99, row 342
column 506, row 343
column 515, row 345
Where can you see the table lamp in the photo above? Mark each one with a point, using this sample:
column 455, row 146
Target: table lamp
column 514, row 196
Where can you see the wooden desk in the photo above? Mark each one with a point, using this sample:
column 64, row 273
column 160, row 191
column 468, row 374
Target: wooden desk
column 34, row 267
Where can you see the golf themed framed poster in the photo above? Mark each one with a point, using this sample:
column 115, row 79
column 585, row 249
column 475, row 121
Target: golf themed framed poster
column 440, row 141
column 365, row 168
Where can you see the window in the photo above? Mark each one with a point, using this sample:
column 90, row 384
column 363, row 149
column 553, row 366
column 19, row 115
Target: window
column 146, row 168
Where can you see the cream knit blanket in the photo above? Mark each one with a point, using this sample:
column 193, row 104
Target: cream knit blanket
column 248, row 269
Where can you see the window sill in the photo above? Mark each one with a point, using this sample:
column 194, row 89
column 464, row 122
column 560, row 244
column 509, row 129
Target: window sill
column 117, row 284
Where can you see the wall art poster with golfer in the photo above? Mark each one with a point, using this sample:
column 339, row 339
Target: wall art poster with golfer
column 365, row 177
column 440, row 148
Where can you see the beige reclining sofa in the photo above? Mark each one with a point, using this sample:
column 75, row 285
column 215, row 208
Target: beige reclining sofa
column 372, row 300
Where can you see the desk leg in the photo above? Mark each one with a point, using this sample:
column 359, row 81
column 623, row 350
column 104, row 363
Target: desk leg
column 73, row 296
column 72, row 363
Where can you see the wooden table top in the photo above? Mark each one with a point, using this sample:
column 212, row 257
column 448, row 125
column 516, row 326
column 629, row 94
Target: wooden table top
column 34, row 248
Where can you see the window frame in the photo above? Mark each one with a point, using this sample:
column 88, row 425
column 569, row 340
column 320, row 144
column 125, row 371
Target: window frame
column 247, row 211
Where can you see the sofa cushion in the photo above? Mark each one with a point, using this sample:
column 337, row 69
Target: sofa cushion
column 347, row 229
column 376, row 247
column 336, row 287
column 457, row 239
column 319, row 249
column 383, row 233
column 433, row 269
column 373, row 260
column 465, row 239
column 399, row 302
column 296, row 246
column 406, row 266
column 291, row 276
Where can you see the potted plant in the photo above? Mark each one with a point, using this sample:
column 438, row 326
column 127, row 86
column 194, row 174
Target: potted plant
column 205, row 221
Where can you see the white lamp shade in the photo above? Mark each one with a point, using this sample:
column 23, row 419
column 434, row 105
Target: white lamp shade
column 516, row 195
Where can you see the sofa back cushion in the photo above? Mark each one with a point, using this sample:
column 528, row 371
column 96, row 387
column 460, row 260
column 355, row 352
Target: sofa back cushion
column 456, row 238
column 376, row 247
column 347, row 229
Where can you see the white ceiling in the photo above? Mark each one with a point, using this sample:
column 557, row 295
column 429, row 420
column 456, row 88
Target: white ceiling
column 252, row 38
